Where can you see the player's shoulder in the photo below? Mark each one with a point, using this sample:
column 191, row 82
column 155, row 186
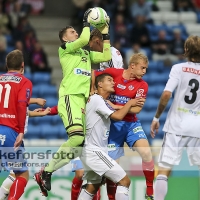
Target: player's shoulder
column 95, row 98
column 115, row 52
column 143, row 82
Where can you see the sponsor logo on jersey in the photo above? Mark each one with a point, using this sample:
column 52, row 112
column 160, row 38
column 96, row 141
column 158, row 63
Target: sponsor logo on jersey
column 111, row 147
column 106, row 134
column 123, row 87
column 191, row 70
column 189, row 111
column 137, row 129
column 15, row 79
column 79, row 71
column 84, row 59
column 130, row 87
column 86, row 53
column 118, row 53
column 109, row 106
column 83, row 110
column 2, row 139
column 140, row 93
column 118, row 99
column 4, row 115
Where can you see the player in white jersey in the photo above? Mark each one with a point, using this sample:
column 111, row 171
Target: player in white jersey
column 5, row 187
column 96, row 44
column 182, row 124
column 94, row 155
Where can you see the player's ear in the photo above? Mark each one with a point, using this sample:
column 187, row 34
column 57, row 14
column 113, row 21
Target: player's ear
column 22, row 68
column 100, row 84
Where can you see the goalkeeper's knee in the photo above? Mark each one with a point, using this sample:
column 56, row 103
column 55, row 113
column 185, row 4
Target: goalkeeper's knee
column 77, row 138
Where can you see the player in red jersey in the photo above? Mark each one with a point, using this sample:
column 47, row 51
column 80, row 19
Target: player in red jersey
column 15, row 93
column 129, row 85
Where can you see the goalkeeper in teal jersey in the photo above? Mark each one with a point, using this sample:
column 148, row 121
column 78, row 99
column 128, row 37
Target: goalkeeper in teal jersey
column 74, row 90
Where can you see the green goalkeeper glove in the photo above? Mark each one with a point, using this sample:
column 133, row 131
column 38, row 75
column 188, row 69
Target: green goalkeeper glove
column 105, row 29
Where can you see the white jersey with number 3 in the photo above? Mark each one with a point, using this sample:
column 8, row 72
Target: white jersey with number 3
column 115, row 62
column 184, row 115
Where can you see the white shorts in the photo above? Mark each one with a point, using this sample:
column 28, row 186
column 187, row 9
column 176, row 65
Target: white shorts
column 97, row 164
column 172, row 149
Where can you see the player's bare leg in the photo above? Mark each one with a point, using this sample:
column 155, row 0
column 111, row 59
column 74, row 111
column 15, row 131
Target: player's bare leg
column 142, row 147
column 6, row 185
column 18, row 186
column 161, row 184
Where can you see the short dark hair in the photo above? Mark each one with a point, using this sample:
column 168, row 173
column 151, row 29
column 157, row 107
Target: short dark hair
column 14, row 60
column 97, row 33
column 100, row 78
column 62, row 32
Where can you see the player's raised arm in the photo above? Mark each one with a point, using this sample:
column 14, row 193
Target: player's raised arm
column 75, row 43
column 97, row 57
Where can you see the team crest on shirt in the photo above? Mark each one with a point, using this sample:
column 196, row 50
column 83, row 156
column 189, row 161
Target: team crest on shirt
column 123, row 87
column 130, row 87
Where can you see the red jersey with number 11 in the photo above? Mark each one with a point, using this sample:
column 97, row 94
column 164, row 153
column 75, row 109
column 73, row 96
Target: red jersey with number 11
column 125, row 89
column 15, row 89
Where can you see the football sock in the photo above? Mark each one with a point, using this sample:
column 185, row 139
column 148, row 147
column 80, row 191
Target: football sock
column 17, row 188
column 160, row 187
column 97, row 196
column 85, row 195
column 122, row 193
column 5, row 187
column 111, row 189
column 148, row 170
column 76, row 187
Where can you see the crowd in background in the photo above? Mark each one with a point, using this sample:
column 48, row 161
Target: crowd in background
column 16, row 32
column 132, row 27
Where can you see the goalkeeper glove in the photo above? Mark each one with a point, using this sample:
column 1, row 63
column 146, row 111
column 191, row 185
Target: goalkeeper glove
column 105, row 29
column 85, row 18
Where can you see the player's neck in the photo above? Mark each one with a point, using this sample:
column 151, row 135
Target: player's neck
column 14, row 71
column 104, row 94
column 127, row 75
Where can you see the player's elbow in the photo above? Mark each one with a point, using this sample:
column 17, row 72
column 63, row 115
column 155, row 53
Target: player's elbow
column 166, row 94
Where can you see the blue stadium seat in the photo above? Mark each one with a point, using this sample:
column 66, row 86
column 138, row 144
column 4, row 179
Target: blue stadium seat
column 42, row 120
column 34, row 132
column 41, row 77
column 9, row 49
column 151, row 104
column 49, row 131
column 62, row 132
column 33, row 106
column 47, row 90
column 51, row 101
column 36, row 91
column 55, row 120
column 151, row 91
column 146, row 116
column 153, row 66
column 28, row 75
